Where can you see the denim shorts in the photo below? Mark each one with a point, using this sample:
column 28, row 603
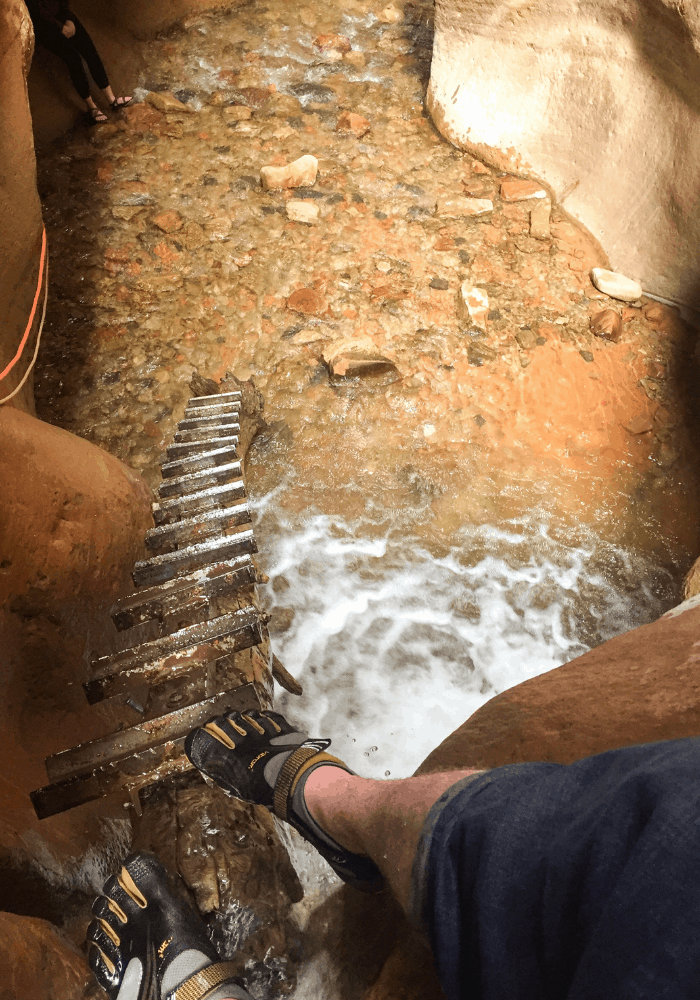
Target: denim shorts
column 567, row 882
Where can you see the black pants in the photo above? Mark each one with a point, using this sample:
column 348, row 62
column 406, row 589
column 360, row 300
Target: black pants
column 70, row 51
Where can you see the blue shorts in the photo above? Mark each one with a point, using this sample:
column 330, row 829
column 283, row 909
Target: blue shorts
column 580, row 881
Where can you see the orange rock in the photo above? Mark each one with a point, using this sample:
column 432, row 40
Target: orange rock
column 332, row 41
column 350, row 122
column 105, row 171
column 152, row 429
column 166, row 253
column 308, row 301
column 355, row 356
column 169, row 221
column 655, row 312
column 516, row 189
column 607, row 324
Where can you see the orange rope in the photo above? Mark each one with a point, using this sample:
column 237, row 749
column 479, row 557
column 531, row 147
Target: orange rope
column 22, row 345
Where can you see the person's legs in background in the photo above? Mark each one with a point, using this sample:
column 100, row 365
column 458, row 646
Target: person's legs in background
column 86, row 47
column 52, row 39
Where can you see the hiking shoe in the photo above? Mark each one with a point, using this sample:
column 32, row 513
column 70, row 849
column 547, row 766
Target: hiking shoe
column 259, row 757
column 146, row 943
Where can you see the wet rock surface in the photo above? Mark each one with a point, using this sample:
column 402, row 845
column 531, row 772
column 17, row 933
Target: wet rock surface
column 231, row 859
column 177, row 260
column 38, row 963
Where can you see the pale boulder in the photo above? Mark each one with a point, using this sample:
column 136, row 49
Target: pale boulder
column 391, row 14
column 165, row 101
column 299, row 173
column 303, row 211
column 540, row 216
column 454, row 207
column 472, row 305
column 617, row 286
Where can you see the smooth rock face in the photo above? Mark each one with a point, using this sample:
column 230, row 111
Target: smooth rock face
column 20, row 236
column 573, row 93
column 72, row 526
column 303, row 211
column 38, row 963
column 617, row 286
column 473, row 305
column 300, row 173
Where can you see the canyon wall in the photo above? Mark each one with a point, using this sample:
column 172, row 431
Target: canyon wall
column 72, row 524
column 598, row 100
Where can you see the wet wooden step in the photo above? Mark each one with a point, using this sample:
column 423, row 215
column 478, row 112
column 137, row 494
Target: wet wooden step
column 183, row 651
column 207, row 433
column 134, row 757
column 198, row 462
column 185, row 449
column 210, row 410
column 182, row 595
column 180, row 486
column 196, row 529
column 214, row 498
column 158, row 569
column 220, row 397
column 228, row 418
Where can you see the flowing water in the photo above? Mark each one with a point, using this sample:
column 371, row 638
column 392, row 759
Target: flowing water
column 396, row 647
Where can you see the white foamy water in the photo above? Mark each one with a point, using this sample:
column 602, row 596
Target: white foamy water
column 395, row 648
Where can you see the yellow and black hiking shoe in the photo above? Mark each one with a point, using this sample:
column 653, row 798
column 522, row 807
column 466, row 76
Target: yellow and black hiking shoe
column 259, row 757
column 146, row 943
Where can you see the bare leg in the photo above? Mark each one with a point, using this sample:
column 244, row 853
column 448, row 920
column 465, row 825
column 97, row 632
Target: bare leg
column 383, row 819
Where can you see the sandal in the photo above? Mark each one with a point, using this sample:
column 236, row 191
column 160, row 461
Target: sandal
column 121, row 102
column 258, row 757
column 93, row 116
column 144, row 936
